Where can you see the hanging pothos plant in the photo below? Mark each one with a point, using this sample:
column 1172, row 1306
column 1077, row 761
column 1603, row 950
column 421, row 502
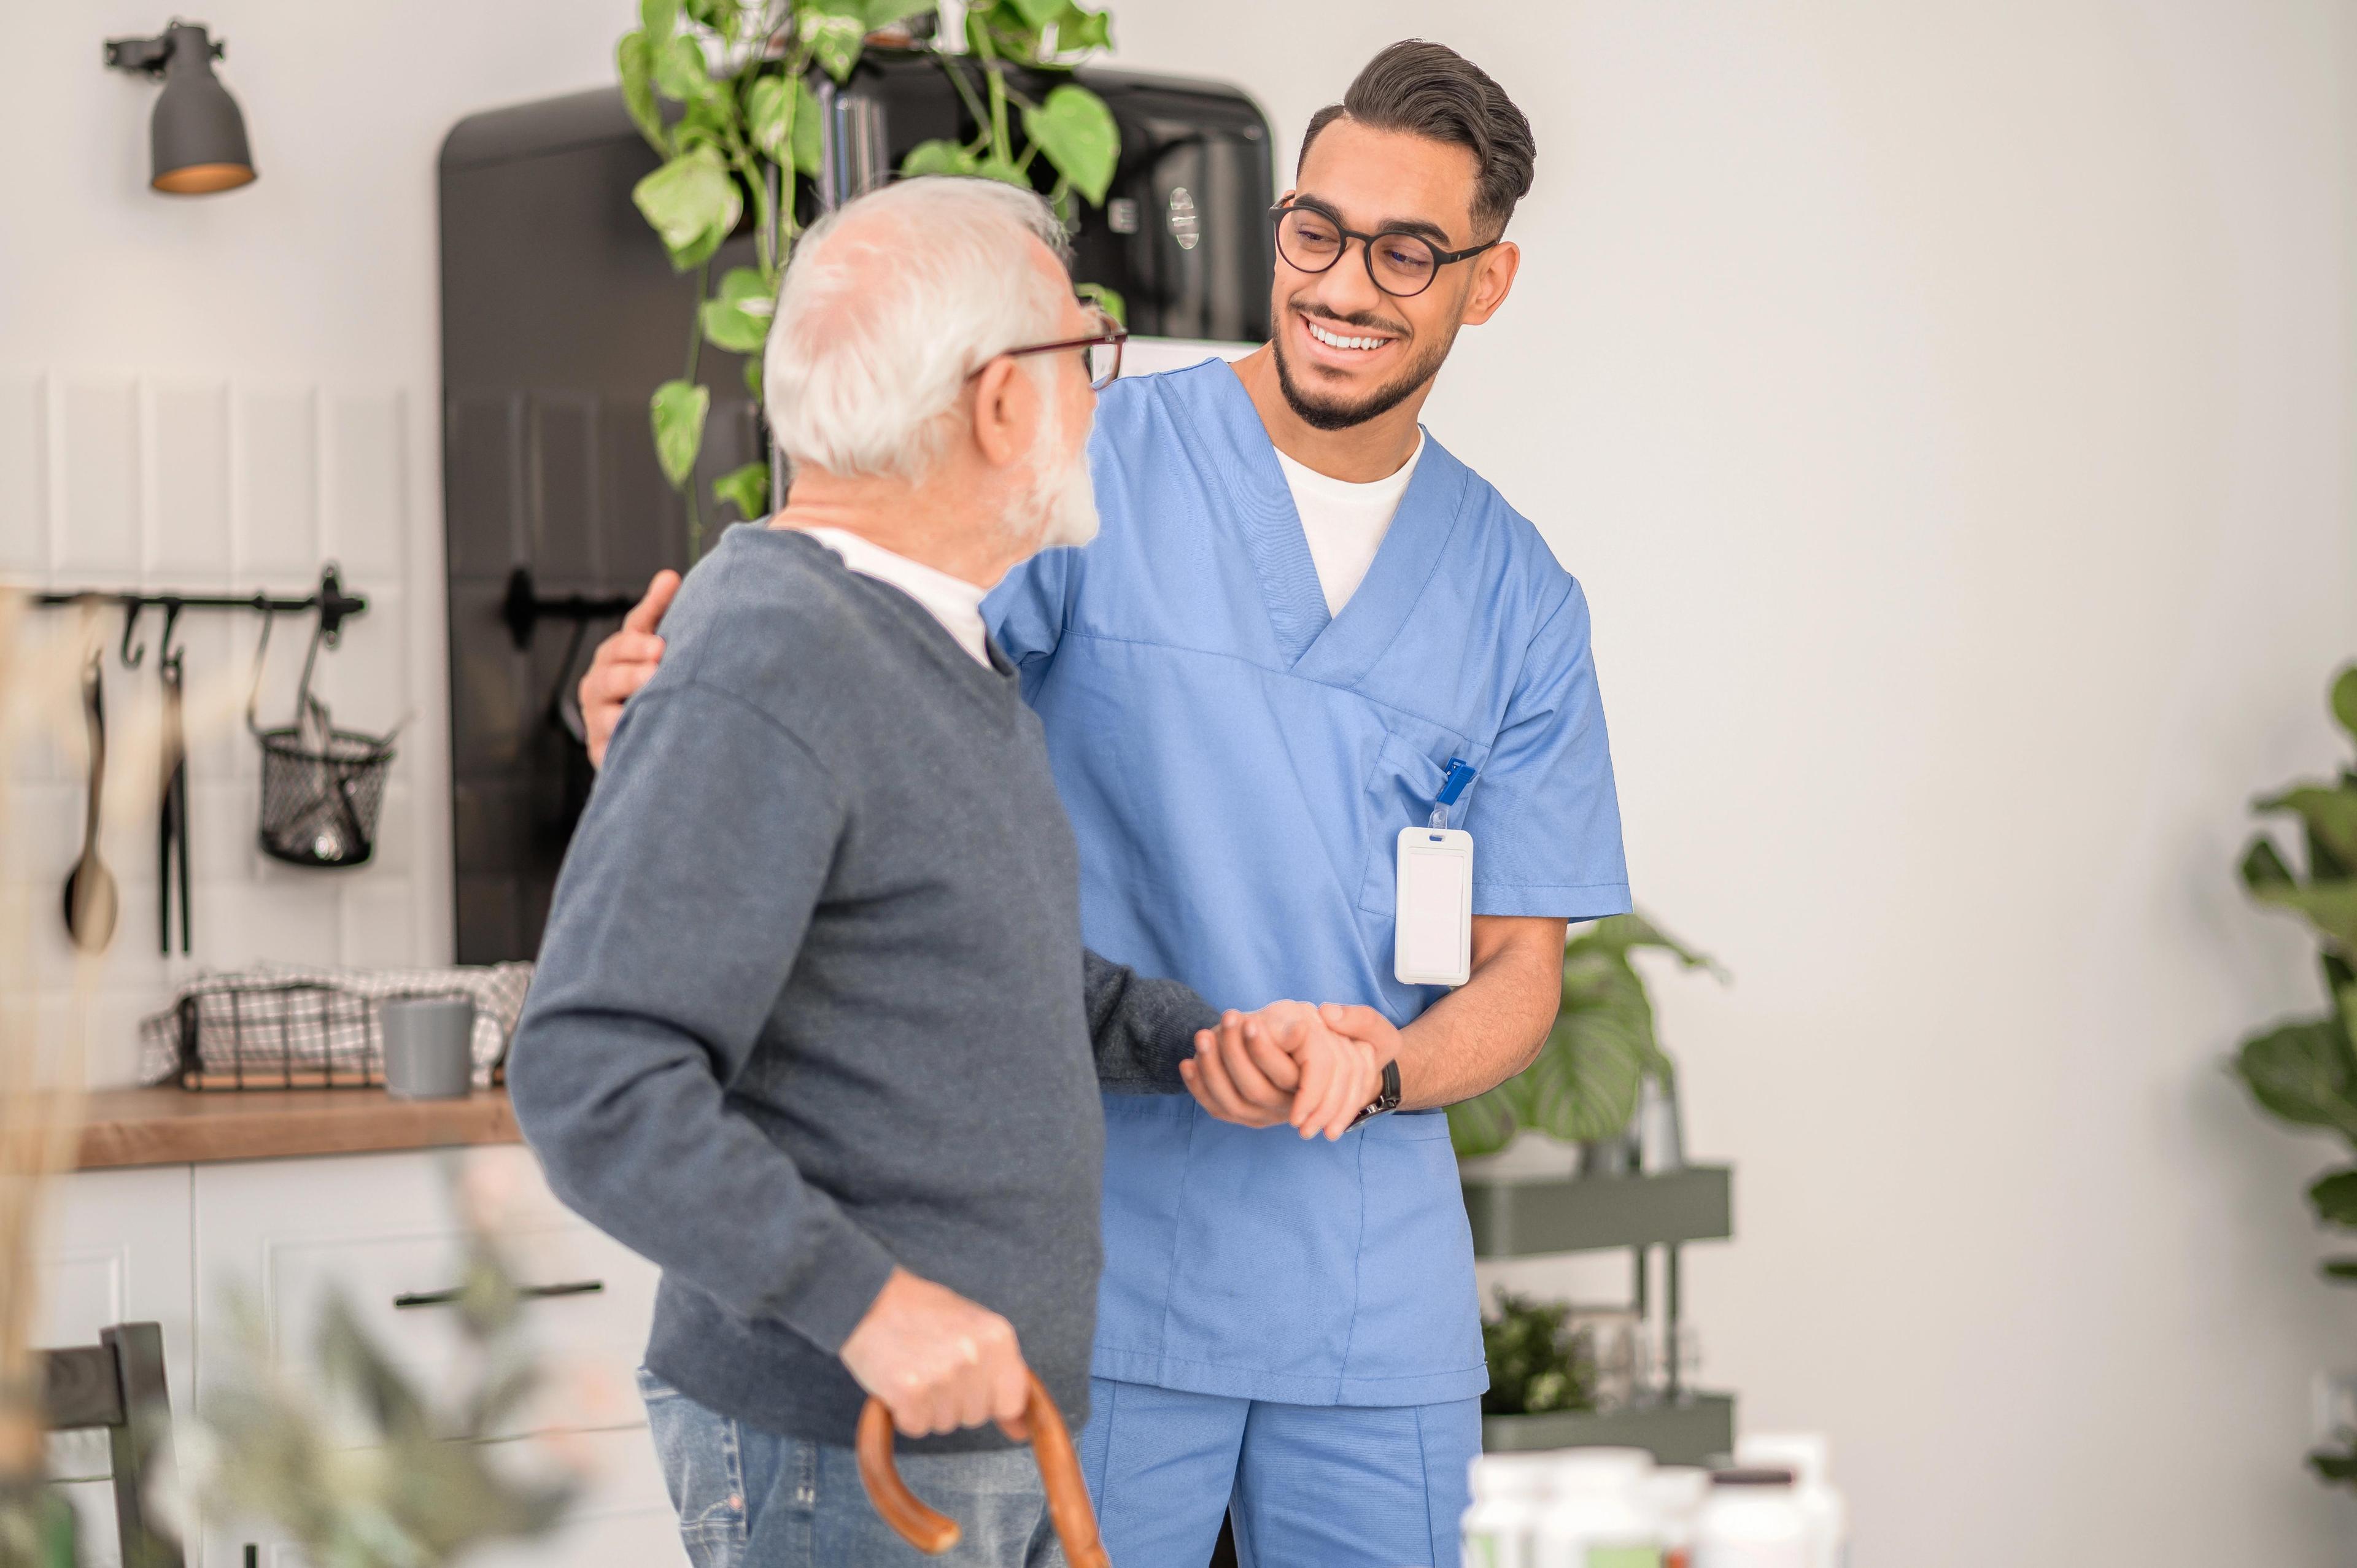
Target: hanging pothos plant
column 1584, row 1085
column 2304, row 1070
column 743, row 126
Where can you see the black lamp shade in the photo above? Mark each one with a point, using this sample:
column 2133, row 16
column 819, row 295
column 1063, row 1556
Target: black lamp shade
column 197, row 137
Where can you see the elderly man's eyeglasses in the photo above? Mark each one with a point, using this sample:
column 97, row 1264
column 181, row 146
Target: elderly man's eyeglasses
column 1311, row 239
column 1101, row 351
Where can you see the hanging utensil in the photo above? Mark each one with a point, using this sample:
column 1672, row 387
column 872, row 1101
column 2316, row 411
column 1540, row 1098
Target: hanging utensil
column 91, row 900
column 172, row 828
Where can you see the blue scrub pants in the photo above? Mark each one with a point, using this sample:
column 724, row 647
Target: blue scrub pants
column 1310, row 1485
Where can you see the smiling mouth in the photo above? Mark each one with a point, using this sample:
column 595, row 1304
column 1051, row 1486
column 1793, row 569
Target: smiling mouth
column 1347, row 343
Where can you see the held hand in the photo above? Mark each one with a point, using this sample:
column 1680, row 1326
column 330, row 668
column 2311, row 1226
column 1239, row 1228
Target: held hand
column 939, row 1362
column 625, row 662
column 1240, row 1073
column 1285, row 1064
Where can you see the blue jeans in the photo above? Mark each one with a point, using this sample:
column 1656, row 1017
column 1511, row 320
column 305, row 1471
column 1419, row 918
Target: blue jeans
column 749, row 1499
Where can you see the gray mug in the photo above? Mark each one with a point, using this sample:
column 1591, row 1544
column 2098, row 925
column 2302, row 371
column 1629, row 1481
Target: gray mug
column 429, row 1048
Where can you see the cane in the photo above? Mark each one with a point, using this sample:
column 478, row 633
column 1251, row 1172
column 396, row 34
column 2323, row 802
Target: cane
column 932, row 1533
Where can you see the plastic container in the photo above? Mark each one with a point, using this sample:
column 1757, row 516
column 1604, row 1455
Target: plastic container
column 1805, row 1454
column 1598, row 1517
column 1752, row 1518
column 1510, row 1493
column 1675, row 1494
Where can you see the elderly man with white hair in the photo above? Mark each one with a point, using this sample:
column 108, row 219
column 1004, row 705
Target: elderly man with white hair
column 813, row 1028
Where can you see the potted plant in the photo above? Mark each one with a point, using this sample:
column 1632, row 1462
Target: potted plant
column 2304, row 1070
column 722, row 90
column 1585, row 1085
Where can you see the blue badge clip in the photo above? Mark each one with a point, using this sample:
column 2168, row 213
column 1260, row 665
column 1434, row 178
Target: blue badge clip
column 1460, row 774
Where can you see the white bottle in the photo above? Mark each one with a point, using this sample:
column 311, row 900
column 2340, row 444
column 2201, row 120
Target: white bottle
column 1510, row 1492
column 1751, row 1520
column 1805, row 1454
column 1675, row 1494
column 1598, row 1517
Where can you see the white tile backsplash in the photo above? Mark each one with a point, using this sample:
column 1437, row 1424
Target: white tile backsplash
column 96, row 480
column 186, row 485
column 23, row 475
column 278, row 485
column 122, row 480
column 365, row 525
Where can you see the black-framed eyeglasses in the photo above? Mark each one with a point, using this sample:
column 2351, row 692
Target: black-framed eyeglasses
column 1311, row 239
column 1101, row 351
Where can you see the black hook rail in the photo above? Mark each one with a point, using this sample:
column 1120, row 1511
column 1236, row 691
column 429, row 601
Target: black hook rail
column 334, row 605
column 525, row 607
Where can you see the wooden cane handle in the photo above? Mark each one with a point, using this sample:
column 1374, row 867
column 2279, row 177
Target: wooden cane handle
column 932, row 1533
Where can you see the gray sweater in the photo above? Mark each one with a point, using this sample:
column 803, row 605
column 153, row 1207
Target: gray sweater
column 812, row 1000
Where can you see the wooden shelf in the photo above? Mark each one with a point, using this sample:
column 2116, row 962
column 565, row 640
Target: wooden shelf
column 1694, row 1430
column 176, row 1126
column 1519, row 1216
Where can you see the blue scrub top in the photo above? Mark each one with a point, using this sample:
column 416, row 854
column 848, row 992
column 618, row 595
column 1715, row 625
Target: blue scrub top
column 1237, row 764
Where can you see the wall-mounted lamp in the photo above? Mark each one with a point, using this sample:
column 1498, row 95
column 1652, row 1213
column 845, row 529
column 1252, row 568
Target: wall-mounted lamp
column 196, row 137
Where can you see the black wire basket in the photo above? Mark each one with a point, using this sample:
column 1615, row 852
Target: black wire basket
column 322, row 788
column 320, row 800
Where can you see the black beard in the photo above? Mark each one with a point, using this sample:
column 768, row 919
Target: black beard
column 1342, row 417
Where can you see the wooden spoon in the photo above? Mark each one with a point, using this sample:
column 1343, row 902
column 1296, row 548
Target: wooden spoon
column 91, row 901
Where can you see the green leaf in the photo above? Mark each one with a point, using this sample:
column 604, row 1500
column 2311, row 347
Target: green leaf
column 1078, row 29
column 2334, row 1197
column 2304, row 1073
column 737, row 317
column 748, row 487
column 634, row 63
column 1583, row 1086
column 693, row 203
column 1076, row 132
column 1001, row 170
column 1038, row 14
column 2340, row 1269
column 658, row 19
column 834, row 42
column 882, row 14
column 2262, row 867
column 2330, row 813
column 1109, row 300
column 2344, row 698
column 769, row 115
column 809, row 152
column 2330, row 907
column 681, row 72
column 937, row 158
column 678, row 409
column 1483, row 1124
column 753, row 375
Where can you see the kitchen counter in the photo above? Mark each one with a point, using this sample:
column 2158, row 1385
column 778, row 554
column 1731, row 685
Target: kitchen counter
column 174, row 1126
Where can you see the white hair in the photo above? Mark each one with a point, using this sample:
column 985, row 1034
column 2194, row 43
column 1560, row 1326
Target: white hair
column 892, row 302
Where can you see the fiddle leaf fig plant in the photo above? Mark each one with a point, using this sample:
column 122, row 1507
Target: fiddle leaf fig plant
column 721, row 90
column 2304, row 1070
column 1584, row 1083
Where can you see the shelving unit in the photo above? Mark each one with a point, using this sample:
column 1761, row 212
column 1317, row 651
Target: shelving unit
column 1521, row 1216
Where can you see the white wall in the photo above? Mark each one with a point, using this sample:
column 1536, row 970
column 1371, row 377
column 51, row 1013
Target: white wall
column 217, row 394
column 1948, row 409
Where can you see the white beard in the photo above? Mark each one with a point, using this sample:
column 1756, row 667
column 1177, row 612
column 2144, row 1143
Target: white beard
column 1059, row 500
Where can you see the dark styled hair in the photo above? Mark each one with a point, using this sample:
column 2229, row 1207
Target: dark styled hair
column 1430, row 90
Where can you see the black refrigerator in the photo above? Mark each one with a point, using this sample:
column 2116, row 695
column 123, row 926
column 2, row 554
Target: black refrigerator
column 560, row 315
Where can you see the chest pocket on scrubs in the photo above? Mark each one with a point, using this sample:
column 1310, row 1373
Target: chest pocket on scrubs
column 1406, row 780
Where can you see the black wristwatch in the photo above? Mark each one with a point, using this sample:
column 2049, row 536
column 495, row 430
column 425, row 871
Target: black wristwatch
column 1386, row 1100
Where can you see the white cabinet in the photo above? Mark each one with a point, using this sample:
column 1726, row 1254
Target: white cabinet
column 384, row 1229
column 172, row 1244
column 114, row 1249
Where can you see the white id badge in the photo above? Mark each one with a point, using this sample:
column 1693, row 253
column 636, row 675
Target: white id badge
column 1435, row 940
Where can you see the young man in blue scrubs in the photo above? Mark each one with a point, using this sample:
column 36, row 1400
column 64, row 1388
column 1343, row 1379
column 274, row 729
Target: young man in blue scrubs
column 1302, row 624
